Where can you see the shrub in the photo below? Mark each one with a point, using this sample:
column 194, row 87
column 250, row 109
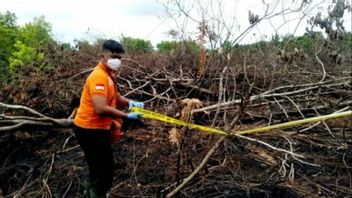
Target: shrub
column 136, row 45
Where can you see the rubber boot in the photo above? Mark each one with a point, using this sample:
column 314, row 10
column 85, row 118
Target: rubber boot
column 94, row 194
column 87, row 189
column 91, row 193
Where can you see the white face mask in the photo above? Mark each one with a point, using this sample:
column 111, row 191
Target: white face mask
column 114, row 63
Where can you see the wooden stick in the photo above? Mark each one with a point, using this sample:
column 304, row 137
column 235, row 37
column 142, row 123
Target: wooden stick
column 199, row 167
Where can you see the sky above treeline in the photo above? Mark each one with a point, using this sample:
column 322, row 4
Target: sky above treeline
column 151, row 20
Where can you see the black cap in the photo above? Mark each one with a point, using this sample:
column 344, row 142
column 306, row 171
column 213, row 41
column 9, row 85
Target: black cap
column 113, row 46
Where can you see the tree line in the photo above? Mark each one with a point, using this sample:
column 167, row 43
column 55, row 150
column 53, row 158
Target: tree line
column 25, row 45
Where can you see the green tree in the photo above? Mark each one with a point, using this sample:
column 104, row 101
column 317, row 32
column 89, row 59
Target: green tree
column 8, row 19
column 166, row 46
column 173, row 46
column 37, row 33
column 346, row 43
column 136, row 45
column 8, row 36
column 275, row 40
column 227, row 46
column 32, row 39
column 23, row 56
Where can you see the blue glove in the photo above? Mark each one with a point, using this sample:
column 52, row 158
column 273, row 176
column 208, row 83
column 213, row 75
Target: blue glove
column 132, row 103
column 134, row 116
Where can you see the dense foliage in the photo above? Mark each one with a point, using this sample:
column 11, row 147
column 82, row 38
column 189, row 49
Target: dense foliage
column 22, row 46
column 26, row 47
column 136, row 45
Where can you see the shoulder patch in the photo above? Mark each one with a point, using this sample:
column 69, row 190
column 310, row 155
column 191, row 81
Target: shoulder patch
column 99, row 87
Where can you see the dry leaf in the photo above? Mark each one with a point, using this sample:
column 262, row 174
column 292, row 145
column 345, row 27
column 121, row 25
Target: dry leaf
column 175, row 136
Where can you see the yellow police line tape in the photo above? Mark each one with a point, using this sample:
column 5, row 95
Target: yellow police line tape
column 157, row 116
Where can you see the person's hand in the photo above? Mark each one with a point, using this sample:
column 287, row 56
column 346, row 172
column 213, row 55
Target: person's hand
column 132, row 103
column 134, row 115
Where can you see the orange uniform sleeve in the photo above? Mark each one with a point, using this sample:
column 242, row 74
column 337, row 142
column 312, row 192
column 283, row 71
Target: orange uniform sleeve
column 98, row 85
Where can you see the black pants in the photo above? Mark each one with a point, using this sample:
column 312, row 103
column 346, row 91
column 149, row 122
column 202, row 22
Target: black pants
column 96, row 145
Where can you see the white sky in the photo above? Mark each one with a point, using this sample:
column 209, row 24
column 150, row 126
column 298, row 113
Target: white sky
column 86, row 19
column 146, row 19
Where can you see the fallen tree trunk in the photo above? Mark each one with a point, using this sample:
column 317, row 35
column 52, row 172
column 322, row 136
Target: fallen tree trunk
column 11, row 123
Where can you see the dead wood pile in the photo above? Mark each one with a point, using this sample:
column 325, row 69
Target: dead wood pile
column 40, row 157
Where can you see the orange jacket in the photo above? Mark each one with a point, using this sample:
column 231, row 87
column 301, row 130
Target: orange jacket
column 98, row 83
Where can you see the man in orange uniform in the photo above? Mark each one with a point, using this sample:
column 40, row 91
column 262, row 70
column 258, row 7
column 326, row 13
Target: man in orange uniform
column 97, row 114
